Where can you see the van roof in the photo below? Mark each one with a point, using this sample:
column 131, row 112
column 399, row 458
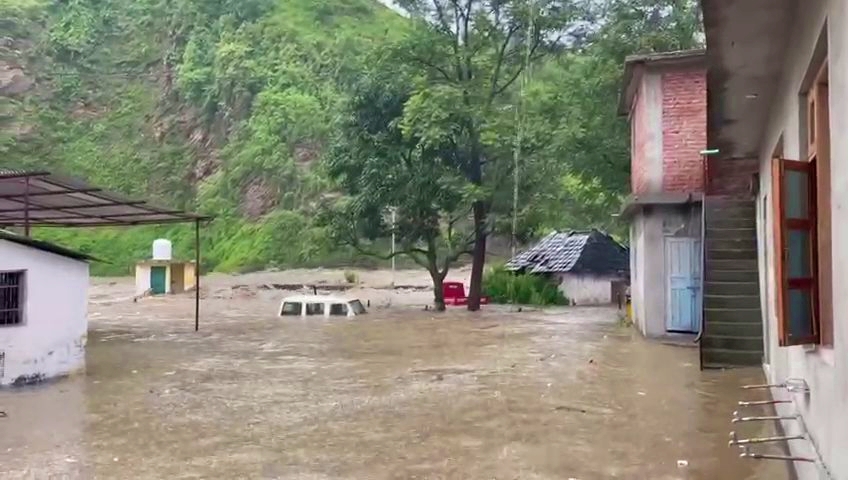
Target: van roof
column 318, row 299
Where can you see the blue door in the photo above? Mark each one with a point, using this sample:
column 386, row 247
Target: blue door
column 683, row 284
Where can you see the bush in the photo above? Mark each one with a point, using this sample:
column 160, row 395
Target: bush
column 350, row 277
column 504, row 286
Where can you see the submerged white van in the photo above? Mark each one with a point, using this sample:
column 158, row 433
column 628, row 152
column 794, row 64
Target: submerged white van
column 320, row 305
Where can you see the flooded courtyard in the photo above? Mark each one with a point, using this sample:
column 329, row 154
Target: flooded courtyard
column 400, row 393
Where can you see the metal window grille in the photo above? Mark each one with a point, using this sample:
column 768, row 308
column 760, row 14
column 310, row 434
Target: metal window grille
column 11, row 298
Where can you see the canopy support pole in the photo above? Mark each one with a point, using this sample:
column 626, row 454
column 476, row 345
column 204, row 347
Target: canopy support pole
column 26, row 206
column 196, row 275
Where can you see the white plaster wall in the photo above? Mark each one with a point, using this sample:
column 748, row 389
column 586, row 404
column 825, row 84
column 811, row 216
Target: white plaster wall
column 647, row 280
column 586, row 289
column 825, row 409
column 651, row 91
column 654, row 293
column 636, row 266
column 52, row 339
column 142, row 279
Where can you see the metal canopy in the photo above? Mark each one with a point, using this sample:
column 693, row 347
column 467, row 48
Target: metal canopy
column 42, row 199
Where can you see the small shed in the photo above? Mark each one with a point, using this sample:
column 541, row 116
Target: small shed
column 590, row 266
column 43, row 309
column 161, row 277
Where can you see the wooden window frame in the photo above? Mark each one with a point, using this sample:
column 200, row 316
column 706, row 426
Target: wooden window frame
column 816, row 166
column 782, row 226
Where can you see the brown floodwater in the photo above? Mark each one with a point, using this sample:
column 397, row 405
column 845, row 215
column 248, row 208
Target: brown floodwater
column 399, row 393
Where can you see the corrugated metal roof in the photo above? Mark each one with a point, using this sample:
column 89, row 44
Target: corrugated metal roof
column 44, row 199
column 575, row 252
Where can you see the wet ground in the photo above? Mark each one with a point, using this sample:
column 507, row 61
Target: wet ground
column 399, row 393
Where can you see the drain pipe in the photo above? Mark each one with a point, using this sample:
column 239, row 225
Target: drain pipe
column 704, row 184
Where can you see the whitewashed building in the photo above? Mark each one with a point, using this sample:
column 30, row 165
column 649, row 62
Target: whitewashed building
column 778, row 83
column 43, row 310
column 589, row 266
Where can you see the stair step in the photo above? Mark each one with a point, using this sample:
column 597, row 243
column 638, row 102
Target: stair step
column 712, row 287
column 747, row 232
column 731, row 254
column 731, row 210
column 732, row 301
column 737, row 343
column 744, row 265
column 733, row 329
column 722, row 358
column 724, row 222
column 737, row 243
column 732, row 276
column 732, row 315
column 729, row 199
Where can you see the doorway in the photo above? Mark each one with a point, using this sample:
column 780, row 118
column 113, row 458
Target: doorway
column 158, row 280
column 683, row 284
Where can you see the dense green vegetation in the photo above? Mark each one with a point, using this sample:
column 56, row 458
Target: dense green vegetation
column 234, row 108
column 504, row 286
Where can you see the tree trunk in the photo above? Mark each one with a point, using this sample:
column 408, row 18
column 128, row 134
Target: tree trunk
column 478, row 259
column 438, row 292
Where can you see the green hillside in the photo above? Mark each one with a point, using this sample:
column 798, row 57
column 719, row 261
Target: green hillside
column 228, row 107
column 215, row 106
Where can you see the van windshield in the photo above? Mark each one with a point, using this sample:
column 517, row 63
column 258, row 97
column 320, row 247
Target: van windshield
column 291, row 308
column 356, row 307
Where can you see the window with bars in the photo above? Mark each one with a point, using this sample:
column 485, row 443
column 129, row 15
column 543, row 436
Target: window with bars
column 11, row 298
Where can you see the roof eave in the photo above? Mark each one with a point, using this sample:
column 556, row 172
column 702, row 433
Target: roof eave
column 635, row 203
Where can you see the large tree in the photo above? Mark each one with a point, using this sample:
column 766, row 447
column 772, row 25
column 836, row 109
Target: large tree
column 381, row 168
column 471, row 54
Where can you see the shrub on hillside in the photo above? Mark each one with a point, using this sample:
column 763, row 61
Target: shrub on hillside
column 504, row 286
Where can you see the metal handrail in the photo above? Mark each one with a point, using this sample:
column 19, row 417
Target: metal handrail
column 705, row 169
column 705, row 166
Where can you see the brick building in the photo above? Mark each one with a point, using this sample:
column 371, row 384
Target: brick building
column 665, row 99
column 692, row 217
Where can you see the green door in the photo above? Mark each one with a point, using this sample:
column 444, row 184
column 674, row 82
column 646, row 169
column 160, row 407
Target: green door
column 157, row 280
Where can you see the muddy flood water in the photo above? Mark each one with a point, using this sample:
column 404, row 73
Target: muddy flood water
column 399, row 393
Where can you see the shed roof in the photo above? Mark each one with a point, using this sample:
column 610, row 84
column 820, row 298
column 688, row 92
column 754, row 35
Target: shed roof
column 590, row 251
column 44, row 246
column 40, row 198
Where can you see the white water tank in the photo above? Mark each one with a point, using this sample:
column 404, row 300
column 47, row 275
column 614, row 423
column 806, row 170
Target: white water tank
column 161, row 249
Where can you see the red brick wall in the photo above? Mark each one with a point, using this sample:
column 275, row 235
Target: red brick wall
column 638, row 132
column 684, row 123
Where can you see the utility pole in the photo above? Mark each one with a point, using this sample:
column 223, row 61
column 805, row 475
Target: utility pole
column 394, row 220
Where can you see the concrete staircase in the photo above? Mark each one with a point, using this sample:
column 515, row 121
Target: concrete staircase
column 733, row 331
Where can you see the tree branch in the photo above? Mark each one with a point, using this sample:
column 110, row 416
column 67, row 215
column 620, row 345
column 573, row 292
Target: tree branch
column 536, row 43
column 499, row 63
column 354, row 243
column 435, row 67
column 453, row 257
column 440, row 15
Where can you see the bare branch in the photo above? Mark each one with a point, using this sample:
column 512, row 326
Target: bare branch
column 440, row 15
column 435, row 67
column 354, row 243
column 517, row 73
column 501, row 53
column 452, row 258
